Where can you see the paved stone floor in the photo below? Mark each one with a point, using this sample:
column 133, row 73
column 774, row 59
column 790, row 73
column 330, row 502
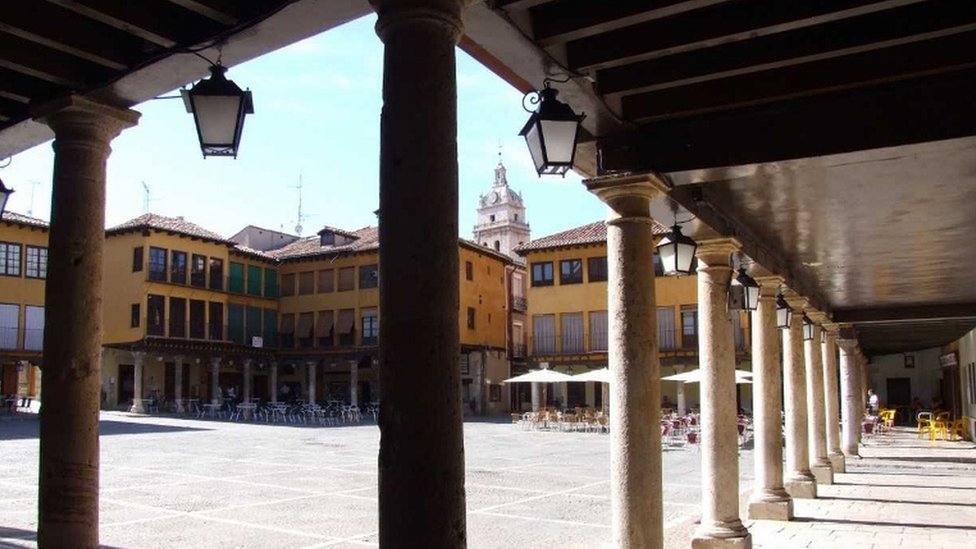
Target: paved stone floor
column 169, row 482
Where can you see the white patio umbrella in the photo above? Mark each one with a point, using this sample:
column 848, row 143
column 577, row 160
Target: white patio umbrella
column 540, row 376
column 601, row 376
column 695, row 376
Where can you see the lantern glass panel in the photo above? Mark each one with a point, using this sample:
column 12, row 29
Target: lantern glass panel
column 218, row 117
column 534, row 140
column 752, row 297
column 807, row 330
column 783, row 315
column 560, row 140
column 668, row 254
column 686, row 256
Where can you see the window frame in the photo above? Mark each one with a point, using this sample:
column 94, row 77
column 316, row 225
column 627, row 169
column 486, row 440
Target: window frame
column 601, row 270
column 41, row 267
column 340, row 287
column 468, row 270
column 155, row 328
column 544, row 280
column 472, row 318
column 5, row 262
column 306, row 283
column 575, row 276
column 215, row 266
column 135, row 315
column 174, row 267
column 198, row 277
column 138, row 258
column 372, row 281
column 158, row 272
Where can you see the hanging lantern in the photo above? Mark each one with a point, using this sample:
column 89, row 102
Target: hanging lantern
column 218, row 106
column 784, row 313
column 677, row 253
column 551, row 132
column 807, row 329
column 4, row 195
column 743, row 292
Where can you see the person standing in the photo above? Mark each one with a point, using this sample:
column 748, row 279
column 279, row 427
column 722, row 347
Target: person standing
column 873, row 403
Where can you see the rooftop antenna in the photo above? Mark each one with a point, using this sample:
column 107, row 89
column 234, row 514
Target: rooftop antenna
column 301, row 217
column 146, row 199
column 34, row 183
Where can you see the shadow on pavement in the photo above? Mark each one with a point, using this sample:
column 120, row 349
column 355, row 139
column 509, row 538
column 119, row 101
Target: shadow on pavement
column 16, row 534
column 10, row 430
column 872, row 523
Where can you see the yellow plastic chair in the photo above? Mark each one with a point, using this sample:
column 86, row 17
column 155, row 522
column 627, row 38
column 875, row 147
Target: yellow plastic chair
column 960, row 428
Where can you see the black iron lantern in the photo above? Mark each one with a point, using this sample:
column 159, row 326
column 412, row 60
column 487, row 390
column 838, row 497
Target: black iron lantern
column 218, row 106
column 677, row 252
column 4, row 195
column 743, row 292
column 807, row 329
column 551, row 132
column 784, row 313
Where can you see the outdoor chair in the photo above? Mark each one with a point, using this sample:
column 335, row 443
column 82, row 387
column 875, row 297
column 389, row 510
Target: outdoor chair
column 960, row 428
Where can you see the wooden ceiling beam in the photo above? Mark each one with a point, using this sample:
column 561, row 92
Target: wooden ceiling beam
column 21, row 87
column 47, row 64
column 517, row 5
column 951, row 311
column 220, row 11
column 12, row 109
column 909, row 24
column 156, row 21
column 66, row 31
column 951, row 53
column 561, row 22
column 931, row 108
column 710, row 27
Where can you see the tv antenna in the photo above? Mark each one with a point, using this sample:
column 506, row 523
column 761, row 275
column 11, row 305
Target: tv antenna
column 146, row 199
column 301, row 216
column 34, row 183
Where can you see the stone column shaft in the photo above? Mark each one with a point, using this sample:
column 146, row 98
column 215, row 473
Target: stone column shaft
column 816, row 416
column 799, row 481
column 138, row 362
column 421, row 461
column 850, row 389
column 682, row 403
column 274, row 382
column 831, row 404
column 353, row 383
column 769, row 498
column 246, row 390
column 216, row 395
column 312, row 380
column 635, row 390
column 67, row 514
column 720, row 524
column 178, row 383
column 536, row 396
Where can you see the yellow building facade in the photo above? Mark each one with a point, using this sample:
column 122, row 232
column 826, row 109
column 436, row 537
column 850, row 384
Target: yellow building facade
column 567, row 316
column 177, row 295
column 23, row 272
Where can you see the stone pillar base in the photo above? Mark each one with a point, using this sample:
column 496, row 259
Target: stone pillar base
column 137, row 407
column 801, row 488
column 744, row 542
column 838, row 463
column 824, row 474
column 771, row 510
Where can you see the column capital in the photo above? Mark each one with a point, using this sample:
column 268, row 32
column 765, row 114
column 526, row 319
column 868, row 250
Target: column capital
column 138, row 357
column 178, row 359
column 818, row 317
column 716, row 252
column 215, row 360
column 84, row 115
column 769, row 285
column 831, row 328
column 849, row 346
column 443, row 13
column 796, row 301
column 247, row 361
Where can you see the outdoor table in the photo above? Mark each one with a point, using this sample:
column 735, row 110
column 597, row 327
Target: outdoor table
column 245, row 410
column 211, row 409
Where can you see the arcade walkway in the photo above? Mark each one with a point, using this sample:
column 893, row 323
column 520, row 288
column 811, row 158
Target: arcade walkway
column 903, row 492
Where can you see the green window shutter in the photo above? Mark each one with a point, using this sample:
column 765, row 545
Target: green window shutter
column 270, row 283
column 253, row 324
column 235, row 282
column 254, row 280
column 235, row 323
column 270, row 328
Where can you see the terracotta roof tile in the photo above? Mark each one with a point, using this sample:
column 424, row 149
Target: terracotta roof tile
column 176, row 225
column 592, row 233
column 367, row 239
column 21, row 219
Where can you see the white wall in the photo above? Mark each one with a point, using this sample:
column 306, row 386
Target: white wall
column 924, row 376
column 967, row 355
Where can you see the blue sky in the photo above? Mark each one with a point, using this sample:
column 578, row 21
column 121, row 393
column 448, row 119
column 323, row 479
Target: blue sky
column 317, row 106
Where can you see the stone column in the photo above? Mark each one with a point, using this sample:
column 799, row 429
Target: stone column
column 274, row 382
column 536, row 396
column 636, row 496
column 682, row 403
column 799, row 481
column 421, row 461
column 590, row 388
column 831, row 404
column 850, row 395
column 353, row 383
column 246, row 390
column 312, row 379
column 769, row 498
column 138, row 360
column 720, row 525
column 216, row 395
column 178, row 383
column 816, row 416
column 71, row 378
column 564, row 394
